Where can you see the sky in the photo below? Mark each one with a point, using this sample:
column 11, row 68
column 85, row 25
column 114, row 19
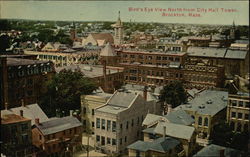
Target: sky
column 108, row 11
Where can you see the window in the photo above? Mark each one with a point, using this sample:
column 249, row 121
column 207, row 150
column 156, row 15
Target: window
column 239, row 127
column 234, row 103
column 240, row 103
column 132, row 123
column 108, row 125
column 233, row 115
column 200, row 121
column 206, row 121
column 103, row 140
column 93, row 112
column 232, row 125
column 240, row 115
column 113, row 141
column 246, row 127
column 247, row 104
column 97, row 138
column 246, row 116
column 120, row 141
column 103, row 124
column 113, row 126
column 138, row 120
column 121, row 127
column 108, row 140
column 93, row 124
column 40, row 137
column 97, row 122
column 25, row 138
column 24, row 127
column 125, row 139
column 127, row 125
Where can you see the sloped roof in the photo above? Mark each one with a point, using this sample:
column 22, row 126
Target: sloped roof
column 103, row 36
column 152, row 119
column 214, row 150
column 108, row 51
column 122, row 99
column 175, row 130
column 207, row 102
column 179, row 117
column 32, row 112
column 59, row 124
column 159, row 145
column 12, row 118
column 236, row 54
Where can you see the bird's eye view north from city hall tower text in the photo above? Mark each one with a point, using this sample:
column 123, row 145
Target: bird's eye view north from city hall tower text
column 124, row 78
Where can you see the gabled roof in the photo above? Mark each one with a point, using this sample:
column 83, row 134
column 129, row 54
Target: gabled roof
column 32, row 112
column 179, row 117
column 12, row 118
column 175, row 130
column 108, row 51
column 214, row 150
column 152, row 119
column 103, row 36
column 57, row 125
column 162, row 144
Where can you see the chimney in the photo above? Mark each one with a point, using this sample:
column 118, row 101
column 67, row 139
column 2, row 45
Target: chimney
column 21, row 113
column 6, row 105
column 37, row 121
column 71, row 112
column 164, row 131
column 222, row 152
column 145, row 92
column 23, row 104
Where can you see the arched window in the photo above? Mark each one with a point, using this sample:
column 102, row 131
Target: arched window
column 206, row 121
column 200, row 121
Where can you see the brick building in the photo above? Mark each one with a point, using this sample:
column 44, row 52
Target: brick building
column 56, row 136
column 21, row 79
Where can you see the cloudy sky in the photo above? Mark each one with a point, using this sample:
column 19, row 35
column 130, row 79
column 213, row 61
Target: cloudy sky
column 108, row 11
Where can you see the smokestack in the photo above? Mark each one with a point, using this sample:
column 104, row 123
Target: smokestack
column 21, row 113
column 164, row 131
column 222, row 152
column 6, row 105
column 37, row 121
column 145, row 92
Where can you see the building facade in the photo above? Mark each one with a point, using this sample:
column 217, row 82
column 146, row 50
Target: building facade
column 22, row 80
column 238, row 111
column 118, row 123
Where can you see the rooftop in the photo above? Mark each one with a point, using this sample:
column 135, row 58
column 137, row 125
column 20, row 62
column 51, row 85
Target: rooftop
column 57, row 125
column 208, row 102
column 20, row 61
column 179, row 117
column 162, row 144
column 154, row 52
column 214, row 150
column 172, row 130
column 32, row 112
column 12, row 118
column 90, row 71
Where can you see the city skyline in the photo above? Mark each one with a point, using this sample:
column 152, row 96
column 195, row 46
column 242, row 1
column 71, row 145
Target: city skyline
column 139, row 11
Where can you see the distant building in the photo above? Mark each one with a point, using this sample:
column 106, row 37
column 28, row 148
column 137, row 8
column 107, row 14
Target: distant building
column 118, row 122
column 58, row 135
column 16, row 136
column 118, row 36
column 22, row 79
column 54, row 47
column 220, row 151
column 207, row 108
column 238, row 110
column 98, row 39
column 109, row 78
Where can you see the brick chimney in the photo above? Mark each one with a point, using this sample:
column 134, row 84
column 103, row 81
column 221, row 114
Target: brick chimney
column 145, row 92
column 21, row 113
column 37, row 122
column 222, row 152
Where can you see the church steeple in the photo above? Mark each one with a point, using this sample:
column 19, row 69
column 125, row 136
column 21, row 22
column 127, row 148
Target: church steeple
column 118, row 37
column 232, row 31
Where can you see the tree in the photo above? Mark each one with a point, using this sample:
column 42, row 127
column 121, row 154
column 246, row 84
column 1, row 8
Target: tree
column 224, row 135
column 173, row 93
column 4, row 43
column 63, row 92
